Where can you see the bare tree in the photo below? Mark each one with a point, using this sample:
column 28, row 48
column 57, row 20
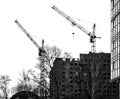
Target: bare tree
column 44, row 66
column 51, row 54
column 24, row 83
column 93, row 78
column 67, row 55
column 4, row 82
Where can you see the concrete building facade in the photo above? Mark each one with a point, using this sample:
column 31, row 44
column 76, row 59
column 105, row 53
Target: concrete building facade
column 73, row 78
column 97, row 69
column 63, row 79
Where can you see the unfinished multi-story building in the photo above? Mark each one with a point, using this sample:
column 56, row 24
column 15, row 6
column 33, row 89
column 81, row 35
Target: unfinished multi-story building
column 96, row 71
column 62, row 78
column 80, row 78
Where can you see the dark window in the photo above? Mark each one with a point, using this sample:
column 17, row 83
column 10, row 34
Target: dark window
column 71, row 64
column 75, row 90
column 71, row 81
column 75, row 64
column 63, row 72
column 63, row 85
column 63, row 63
column 71, row 72
column 71, row 86
column 71, row 77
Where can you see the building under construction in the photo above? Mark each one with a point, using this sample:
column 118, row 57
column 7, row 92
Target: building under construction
column 79, row 78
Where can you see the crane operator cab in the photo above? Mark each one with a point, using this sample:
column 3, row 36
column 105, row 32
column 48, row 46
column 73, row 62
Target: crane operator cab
column 41, row 52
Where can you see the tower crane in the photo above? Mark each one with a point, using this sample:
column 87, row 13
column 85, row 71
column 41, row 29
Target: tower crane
column 74, row 23
column 41, row 49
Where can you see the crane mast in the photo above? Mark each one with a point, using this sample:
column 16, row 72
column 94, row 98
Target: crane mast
column 41, row 49
column 92, row 35
column 93, row 40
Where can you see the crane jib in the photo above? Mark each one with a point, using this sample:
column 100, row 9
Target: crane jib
column 27, row 34
column 74, row 23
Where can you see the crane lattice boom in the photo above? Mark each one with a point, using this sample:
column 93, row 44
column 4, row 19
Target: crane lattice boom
column 71, row 20
column 92, row 35
column 27, row 34
column 41, row 49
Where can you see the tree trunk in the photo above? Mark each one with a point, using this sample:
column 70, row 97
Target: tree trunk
column 93, row 91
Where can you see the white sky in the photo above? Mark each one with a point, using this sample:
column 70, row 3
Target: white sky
column 40, row 20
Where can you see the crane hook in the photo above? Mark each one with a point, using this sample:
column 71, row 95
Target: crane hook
column 73, row 35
